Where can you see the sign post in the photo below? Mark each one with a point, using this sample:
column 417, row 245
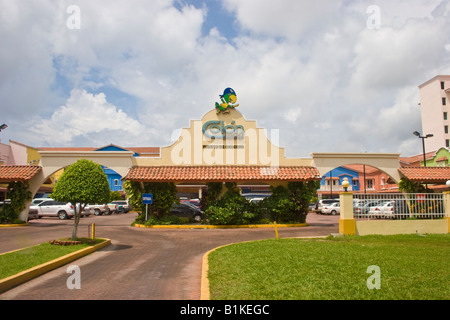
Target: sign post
column 147, row 198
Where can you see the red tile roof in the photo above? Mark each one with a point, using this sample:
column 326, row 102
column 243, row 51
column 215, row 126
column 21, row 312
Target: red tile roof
column 221, row 173
column 18, row 173
column 426, row 174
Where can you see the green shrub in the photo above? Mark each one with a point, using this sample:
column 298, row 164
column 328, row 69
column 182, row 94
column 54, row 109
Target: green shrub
column 289, row 205
column 231, row 209
column 19, row 194
column 279, row 206
column 7, row 214
column 166, row 220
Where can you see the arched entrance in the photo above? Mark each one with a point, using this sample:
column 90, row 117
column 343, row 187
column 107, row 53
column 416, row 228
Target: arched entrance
column 386, row 162
column 53, row 161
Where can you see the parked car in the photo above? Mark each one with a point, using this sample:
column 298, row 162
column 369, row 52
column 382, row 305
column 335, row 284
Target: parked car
column 99, row 209
column 362, row 211
column 401, row 209
column 36, row 201
column 321, row 203
column 113, row 207
column 86, row 210
column 195, row 202
column 382, row 210
column 250, row 196
column 256, row 200
column 33, row 214
column 52, row 208
column 122, row 206
column 332, row 209
column 187, row 210
column 5, row 202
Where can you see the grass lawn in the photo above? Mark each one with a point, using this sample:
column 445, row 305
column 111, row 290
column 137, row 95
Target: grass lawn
column 18, row 261
column 411, row 267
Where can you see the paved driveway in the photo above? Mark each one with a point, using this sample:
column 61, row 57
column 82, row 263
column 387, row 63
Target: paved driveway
column 161, row 264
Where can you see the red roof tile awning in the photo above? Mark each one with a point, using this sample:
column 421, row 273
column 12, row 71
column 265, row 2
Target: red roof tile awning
column 221, row 173
column 426, row 174
column 18, row 173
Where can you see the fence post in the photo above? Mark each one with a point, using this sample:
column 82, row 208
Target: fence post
column 347, row 224
column 446, row 195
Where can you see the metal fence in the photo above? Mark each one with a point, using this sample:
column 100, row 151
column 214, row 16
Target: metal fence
column 398, row 206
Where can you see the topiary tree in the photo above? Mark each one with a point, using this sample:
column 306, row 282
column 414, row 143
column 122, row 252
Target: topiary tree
column 82, row 183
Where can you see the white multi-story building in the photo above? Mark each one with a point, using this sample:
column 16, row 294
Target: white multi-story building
column 435, row 110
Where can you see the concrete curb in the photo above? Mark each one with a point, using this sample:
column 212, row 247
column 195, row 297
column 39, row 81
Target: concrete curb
column 14, row 280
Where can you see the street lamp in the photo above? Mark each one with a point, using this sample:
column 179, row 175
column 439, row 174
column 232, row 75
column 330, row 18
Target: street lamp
column 345, row 184
column 416, row 133
column 3, row 126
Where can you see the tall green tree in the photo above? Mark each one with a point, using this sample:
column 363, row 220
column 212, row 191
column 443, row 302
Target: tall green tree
column 82, row 183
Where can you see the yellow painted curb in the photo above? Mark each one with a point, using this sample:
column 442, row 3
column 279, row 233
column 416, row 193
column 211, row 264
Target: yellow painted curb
column 14, row 225
column 21, row 277
column 204, row 284
column 220, row 226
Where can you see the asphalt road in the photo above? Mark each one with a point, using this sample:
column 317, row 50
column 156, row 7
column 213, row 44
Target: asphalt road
column 141, row 263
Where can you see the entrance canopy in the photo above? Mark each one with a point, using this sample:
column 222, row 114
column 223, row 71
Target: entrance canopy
column 222, row 173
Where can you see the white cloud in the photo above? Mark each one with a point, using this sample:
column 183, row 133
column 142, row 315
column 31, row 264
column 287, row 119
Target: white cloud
column 291, row 19
column 86, row 116
column 313, row 70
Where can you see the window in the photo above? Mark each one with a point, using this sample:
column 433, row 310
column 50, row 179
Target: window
column 116, row 182
column 444, row 101
column 369, row 184
column 445, row 115
column 446, row 129
column 447, row 143
column 442, row 85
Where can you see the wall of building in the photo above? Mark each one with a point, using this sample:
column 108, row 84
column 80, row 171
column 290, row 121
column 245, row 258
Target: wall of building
column 441, row 158
column 332, row 181
column 6, row 156
column 114, row 179
column 433, row 109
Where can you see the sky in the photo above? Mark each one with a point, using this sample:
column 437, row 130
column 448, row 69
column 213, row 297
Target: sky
column 330, row 75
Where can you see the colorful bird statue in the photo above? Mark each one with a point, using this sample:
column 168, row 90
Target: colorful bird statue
column 228, row 100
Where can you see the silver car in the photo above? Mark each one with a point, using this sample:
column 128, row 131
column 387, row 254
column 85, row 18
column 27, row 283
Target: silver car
column 52, row 208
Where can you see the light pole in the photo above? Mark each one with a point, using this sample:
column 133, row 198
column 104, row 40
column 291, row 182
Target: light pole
column 416, row 133
column 345, row 184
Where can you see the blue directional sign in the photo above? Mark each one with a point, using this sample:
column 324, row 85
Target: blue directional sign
column 147, row 198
